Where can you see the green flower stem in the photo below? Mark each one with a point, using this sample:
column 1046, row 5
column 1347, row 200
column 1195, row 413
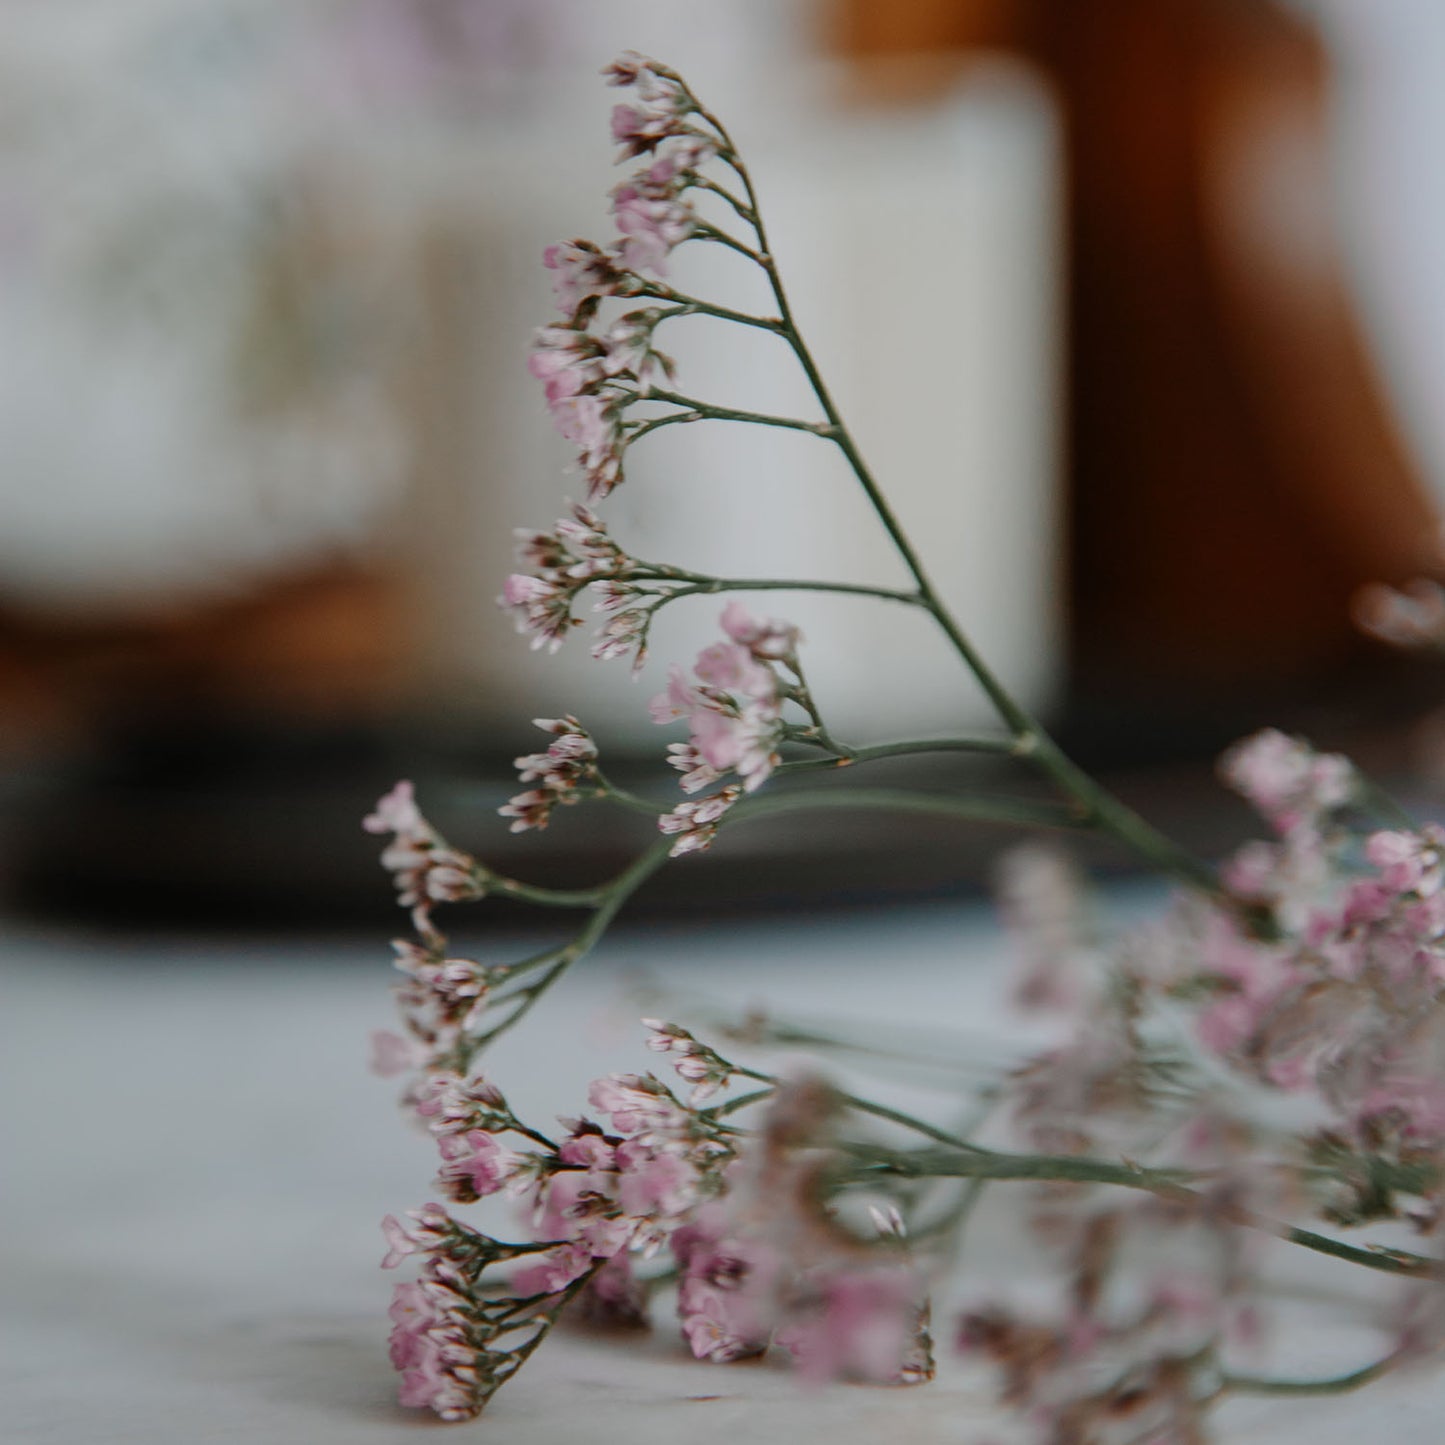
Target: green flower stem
column 638, row 804
column 793, row 1036
column 703, row 231
column 611, row 896
column 1092, row 802
column 1009, row 812
column 1338, row 1385
column 607, row 898
column 878, row 1111
column 686, row 305
column 741, row 207
column 546, row 897
column 912, row 747
column 656, row 423
column 544, row 1320
column 707, row 411
column 1167, row 1183
column 701, row 586
column 535, row 1135
column 919, row 1126
column 743, row 1101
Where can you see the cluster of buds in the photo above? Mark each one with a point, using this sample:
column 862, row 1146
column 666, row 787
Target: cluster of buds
column 595, row 1198
column 694, row 824
column 436, row 1327
column 591, row 373
column 424, row 867
column 703, row 1067
column 589, row 378
column 1293, row 786
column 1135, row 1347
column 456, row 1343
column 734, row 714
column 769, row 1264
column 1345, row 1004
column 624, row 1191
column 466, row 1115
column 734, row 710
column 1300, row 793
column 440, row 1000
column 578, row 555
column 561, row 774
column 651, row 207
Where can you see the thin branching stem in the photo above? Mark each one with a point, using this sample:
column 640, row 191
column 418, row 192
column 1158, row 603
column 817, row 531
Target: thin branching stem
column 1231, row 1384
column 1167, row 1183
column 708, row 411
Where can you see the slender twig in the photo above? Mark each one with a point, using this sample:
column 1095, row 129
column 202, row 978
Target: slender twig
column 708, row 411
column 627, row 799
column 753, row 1096
column 1230, row 1384
column 1091, row 800
column 612, row 896
column 1008, row 812
column 695, row 306
column 744, row 211
column 1168, row 1183
column 879, row 1111
column 705, row 231
column 546, row 897
column 701, row 586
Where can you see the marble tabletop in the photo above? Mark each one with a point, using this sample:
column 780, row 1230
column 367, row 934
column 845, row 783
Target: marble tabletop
column 195, row 1160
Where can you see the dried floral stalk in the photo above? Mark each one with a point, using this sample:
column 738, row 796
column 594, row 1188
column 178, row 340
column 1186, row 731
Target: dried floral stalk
column 798, row 1216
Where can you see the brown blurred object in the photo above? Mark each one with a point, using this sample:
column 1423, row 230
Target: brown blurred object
column 863, row 28
column 317, row 646
column 1235, row 473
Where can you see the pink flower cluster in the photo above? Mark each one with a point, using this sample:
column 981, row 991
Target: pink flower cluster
column 610, row 1193
column 695, row 823
column 466, row 1115
column 1083, row 1380
column 1300, row 793
column 651, row 209
column 577, row 555
column 700, row 1065
column 425, row 868
column 591, row 375
column 1150, row 1296
column 661, row 110
column 738, row 1294
column 1286, row 780
column 434, row 1318
column 1338, row 1000
column 1351, row 1007
column 589, row 378
column 440, row 1000
column 561, row 773
column 651, row 212
column 764, row 1265
column 734, row 713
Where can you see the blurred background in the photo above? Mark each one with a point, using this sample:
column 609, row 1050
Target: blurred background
column 1138, row 305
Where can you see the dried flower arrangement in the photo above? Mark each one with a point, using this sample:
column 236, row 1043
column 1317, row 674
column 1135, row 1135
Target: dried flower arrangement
column 1160, row 1170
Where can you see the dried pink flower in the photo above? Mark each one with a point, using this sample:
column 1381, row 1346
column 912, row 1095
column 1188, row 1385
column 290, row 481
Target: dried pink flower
column 585, row 273
column 562, row 773
column 1292, row 785
column 425, row 869
column 695, row 824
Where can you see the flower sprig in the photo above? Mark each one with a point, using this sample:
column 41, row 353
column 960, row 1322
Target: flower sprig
column 1311, row 965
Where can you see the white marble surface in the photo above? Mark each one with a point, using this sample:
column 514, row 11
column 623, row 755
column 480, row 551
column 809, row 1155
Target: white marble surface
column 195, row 1160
